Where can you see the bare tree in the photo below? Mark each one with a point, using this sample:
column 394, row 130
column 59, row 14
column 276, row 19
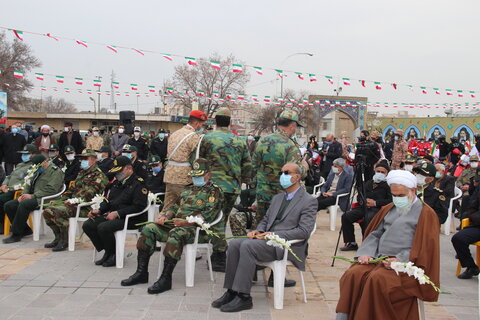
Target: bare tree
column 48, row 104
column 202, row 83
column 15, row 56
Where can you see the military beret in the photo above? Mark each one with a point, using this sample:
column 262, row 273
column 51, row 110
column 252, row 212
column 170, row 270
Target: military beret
column 197, row 114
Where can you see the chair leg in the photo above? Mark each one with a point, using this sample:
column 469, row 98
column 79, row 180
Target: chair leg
column 119, row 248
column 72, row 233
column 333, row 217
column 459, row 268
column 37, row 215
column 209, row 253
column 160, row 261
column 447, row 224
column 421, row 309
column 303, row 287
column 190, row 253
column 279, row 270
column 6, row 226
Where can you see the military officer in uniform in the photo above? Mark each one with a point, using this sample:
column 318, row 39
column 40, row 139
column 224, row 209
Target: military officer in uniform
column 155, row 176
column 104, row 161
column 90, row 182
column 46, row 180
column 181, row 144
column 127, row 195
column 410, row 162
column 230, row 165
column 72, row 165
column 204, row 199
column 140, row 143
column 430, row 194
column 54, row 154
column 139, row 167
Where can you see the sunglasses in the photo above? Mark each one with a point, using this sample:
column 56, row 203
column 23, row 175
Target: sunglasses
column 281, row 172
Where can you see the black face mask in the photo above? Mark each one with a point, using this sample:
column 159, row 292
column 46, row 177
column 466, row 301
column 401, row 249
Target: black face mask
column 362, row 139
column 45, row 134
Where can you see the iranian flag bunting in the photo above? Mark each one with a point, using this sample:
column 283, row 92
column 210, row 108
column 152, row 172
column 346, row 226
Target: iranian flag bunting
column 215, row 65
column 267, row 99
column 113, row 48
column 330, row 79
column 258, row 70
column 127, row 94
column 449, row 92
column 280, row 99
column 18, row 74
column 134, row 86
column 241, row 97
column 79, row 81
column 185, row 91
column 117, row 93
column 138, row 51
column 472, row 94
column 39, row 76
column 18, row 34
column 424, row 90
column 116, row 85
column 437, row 91
column 254, row 97
column 378, row 85
column 228, row 95
column 215, row 94
column 67, row 90
column 299, row 75
column 201, row 93
column 409, row 86
column 312, row 77
column 191, row 61
column 60, row 79
column 362, row 82
column 151, row 88
column 167, row 56
column 169, row 90
column 51, row 36
column 279, row 73
column 237, row 68
column 97, row 83
column 394, row 85
column 346, row 81
column 460, row 93
column 82, row 43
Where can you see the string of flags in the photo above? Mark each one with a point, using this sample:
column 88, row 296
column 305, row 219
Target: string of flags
column 236, row 67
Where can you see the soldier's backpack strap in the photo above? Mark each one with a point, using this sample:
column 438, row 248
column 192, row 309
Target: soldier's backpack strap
column 179, row 144
column 197, row 154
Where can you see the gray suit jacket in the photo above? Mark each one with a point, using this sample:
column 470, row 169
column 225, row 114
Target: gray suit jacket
column 343, row 186
column 297, row 223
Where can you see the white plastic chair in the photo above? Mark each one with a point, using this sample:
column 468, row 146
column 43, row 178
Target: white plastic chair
column 421, row 309
column 333, row 211
column 448, row 223
column 38, row 220
column 154, row 207
column 190, row 251
column 279, row 268
column 75, row 224
column 316, row 188
column 121, row 236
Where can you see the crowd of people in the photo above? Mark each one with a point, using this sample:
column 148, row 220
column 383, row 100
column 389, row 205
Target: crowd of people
column 398, row 192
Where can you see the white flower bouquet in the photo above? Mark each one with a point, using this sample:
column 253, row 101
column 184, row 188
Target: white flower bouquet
column 73, row 201
column 96, row 201
column 198, row 220
column 414, row 271
column 275, row 241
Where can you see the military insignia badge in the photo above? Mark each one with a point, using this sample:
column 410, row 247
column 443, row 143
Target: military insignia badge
column 196, row 166
column 442, row 197
column 114, row 163
column 424, row 166
column 211, row 199
column 144, row 190
column 199, row 202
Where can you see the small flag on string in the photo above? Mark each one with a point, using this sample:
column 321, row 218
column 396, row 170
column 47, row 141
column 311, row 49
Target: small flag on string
column 437, row 91
column 330, row 79
column 51, row 36
column 18, row 34
column 394, row 85
column 191, row 61
column 228, row 95
column 97, row 83
column 127, row 94
column 460, row 93
column 346, row 81
column 134, row 86
column 67, row 90
column 169, row 90
column 113, row 48
column 267, row 99
column 215, row 94
column 472, row 94
column 258, row 70
column 138, row 51
column 60, row 79
column 312, row 77
column 18, row 74
column 39, row 76
column 279, row 73
column 362, row 82
column 299, row 75
column 79, row 81
column 254, row 97
column 237, row 68
column 241, row 97
column 378, row 85
column 424, row 90
column 82, row 43
column 116, row 85
column 449, row 92
column 151, row 88
column 167, row 56
column 215, row 65
column 201, row 93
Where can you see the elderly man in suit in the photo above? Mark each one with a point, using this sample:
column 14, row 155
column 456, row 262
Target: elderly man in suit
column 339, row 181
column 291, row 216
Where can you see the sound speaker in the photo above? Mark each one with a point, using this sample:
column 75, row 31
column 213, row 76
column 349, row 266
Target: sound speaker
column 127, row 119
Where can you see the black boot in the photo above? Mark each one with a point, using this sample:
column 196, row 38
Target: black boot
column 141, row 275
column 106, row 255
column 287, row 284
column 219, row 260
column 110, row 262
column 12, row 239
column 242, row 301
column 469, row 273
column 62, row 244
column 350, row 246
column 54, row 243
column 165, row 282
column 228, row 296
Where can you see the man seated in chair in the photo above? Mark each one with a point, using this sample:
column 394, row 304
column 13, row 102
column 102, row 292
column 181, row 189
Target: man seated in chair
column 291, row 216
column 202, row 198
column 405, row 230
column 127, row 195
column 339, row 181
column 89, row 182
column 45, row 181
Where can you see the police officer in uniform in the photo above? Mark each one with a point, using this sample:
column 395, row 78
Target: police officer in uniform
column 127, row 195
column 139, row 166
column 139, row 143
column 427, row 191
column 104, row 161
column 155, row 175
column 72, row 165
column 54, row 154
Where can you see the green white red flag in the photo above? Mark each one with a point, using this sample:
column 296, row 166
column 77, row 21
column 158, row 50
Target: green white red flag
column 134, row 86
column 115, row 85
column 215, row 65
column 237, row 68
column 449, row 92
column 169, row 90
column 241, row 97
column 167, row 56
column 279, row 73
column 215, row 94
column 424, row 90
column 18, row 74
column 151, row 88
column 330, row 79
column 113, row 48
column 378, row 85
column 267, row 99
column 472, row 94
column 258, row 70
column 97, row 83
column 437, row 91
column 60, row 79
column 191, row 61
column 82, row 43
column 346, row 81
column 79, row 81
column 138, row 51
column 299, row 75
column 40, row 76
column 460, row 93
column 200, row 93
column 18, row 34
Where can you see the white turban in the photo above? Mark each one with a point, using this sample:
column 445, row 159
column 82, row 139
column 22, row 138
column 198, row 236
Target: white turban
column 402, row 177
column 45, row 126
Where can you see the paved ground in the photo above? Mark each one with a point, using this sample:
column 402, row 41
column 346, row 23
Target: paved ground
column 37, row 284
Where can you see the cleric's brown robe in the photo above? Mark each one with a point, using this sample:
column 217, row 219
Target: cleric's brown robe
column 372, row 292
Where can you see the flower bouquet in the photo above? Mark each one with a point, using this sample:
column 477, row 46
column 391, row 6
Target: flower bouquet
column 96, row 201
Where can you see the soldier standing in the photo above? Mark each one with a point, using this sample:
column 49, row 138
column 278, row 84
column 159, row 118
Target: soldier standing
column 400, row 150
column 94, row 142
column 159, row 145
column 90, row 182
column 72, row 165
column 230, row 165
column 181, row 144
column 203, row 199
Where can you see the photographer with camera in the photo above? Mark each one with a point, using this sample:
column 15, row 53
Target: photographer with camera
column 367, row 154
column 331, row 150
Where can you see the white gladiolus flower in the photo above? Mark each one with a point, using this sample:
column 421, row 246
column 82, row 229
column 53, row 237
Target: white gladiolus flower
column 151, row 197
column 74, row 200
column 413, row 271
column 96, row 201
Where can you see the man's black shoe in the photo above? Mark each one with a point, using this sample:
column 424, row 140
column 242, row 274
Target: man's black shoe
column 350, row 246
column 103, row 259
column 12, row 239
column 110, row 262
column 240, row 302
column 219, row 260
column 288, row 283
column 27, row 232
column 469, row 273
column 227, row 297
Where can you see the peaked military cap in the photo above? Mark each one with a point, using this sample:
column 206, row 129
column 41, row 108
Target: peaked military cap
column 129, row 148
column 104, row 149
column 291, row 115
column 224, row 112
column 410, row 158
column 426, row 168
column 119, row 163
column 87, row 153
column 53, row 147
column 155, row 160
column 39, row 158
column 29, row 148
column 199, row 167
column 69, row 149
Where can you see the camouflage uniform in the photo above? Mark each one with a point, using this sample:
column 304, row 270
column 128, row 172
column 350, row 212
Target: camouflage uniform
column 230, row 165
column 400, row 150
column 205, row 201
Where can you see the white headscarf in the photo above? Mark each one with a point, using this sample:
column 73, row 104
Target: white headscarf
column 402, row 177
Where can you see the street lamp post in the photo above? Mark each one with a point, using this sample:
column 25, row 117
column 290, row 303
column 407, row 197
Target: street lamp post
column 294, row 54
column 94, row 105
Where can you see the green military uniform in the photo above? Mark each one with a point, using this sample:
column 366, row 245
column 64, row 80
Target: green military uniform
column 89, row 183
column 230, row 165
column 271, row 154
column 244, row 218
column 205, row 201
column 45, row 182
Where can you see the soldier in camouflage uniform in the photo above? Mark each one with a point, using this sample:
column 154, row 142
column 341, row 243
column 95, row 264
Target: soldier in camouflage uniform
column 400, row 150
column 230, row 165
column 271, row 154
column 204, row 199
column 90, row 182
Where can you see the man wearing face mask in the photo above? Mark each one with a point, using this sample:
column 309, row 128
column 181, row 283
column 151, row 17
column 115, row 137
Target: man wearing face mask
column 469, row 166
column 118, row 141
column 128, row 194
column 159, row 145
column 291, row 215
column 443, row 148
column 428, row 193
column 331, row 150
column 339, row 181
column 105, row 162
column 72, row 165
column 44, row 141
column 456, row 150
column 95, row 141
column 140, row 143
column 54, row 155
column 155, row 176
column 444, row 181
column 377, row 195
column 400, row 150
column 182, row 145
column 410, row 163
column 90, row 182
column 70, row 137
column 139, row 167
column 13, row 142
column 405, row 230
column 45, row 181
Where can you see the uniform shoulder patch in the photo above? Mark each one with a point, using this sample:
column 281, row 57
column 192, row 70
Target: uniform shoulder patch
column 442, row 197
column 140, row 179
column 144, row 191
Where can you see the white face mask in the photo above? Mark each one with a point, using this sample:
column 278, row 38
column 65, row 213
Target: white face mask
column 66, row 129
column 120, row 130
column 96, row 133
column 70, row 156
column 136, row 134
column 474, row 165
column 379, row 177
column 420, row 180
column 99, row 156
column 335, row 170
column 409, row 167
